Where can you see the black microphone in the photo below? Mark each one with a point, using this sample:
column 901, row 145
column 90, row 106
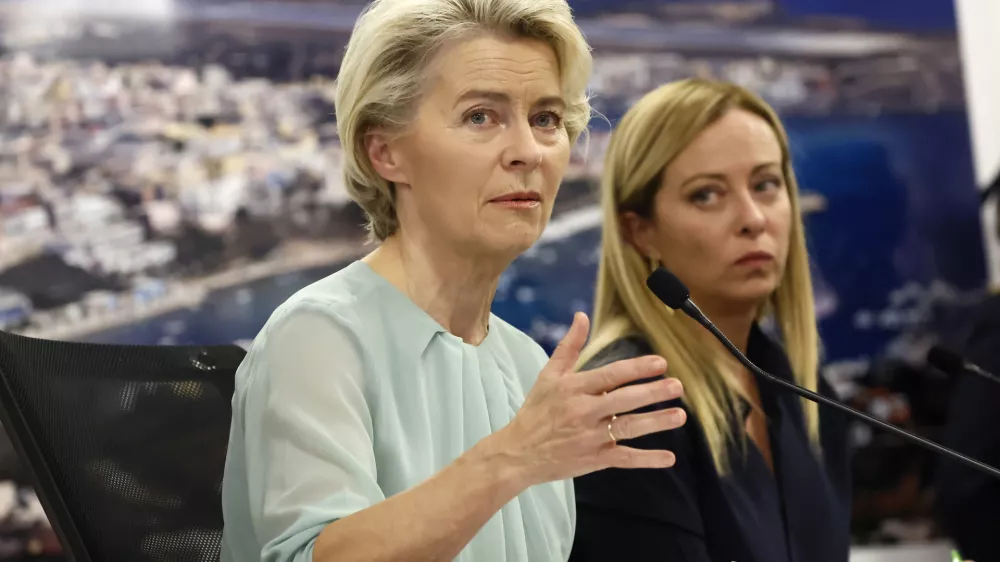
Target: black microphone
column 669, row 289
column 954, row 364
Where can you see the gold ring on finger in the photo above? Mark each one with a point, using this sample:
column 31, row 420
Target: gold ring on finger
column 611, row 432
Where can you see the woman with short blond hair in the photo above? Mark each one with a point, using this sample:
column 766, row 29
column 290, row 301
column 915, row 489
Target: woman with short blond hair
column 383, row 413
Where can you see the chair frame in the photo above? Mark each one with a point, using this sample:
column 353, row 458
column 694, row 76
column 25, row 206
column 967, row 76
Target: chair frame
column 26, row 441
column 26, row 445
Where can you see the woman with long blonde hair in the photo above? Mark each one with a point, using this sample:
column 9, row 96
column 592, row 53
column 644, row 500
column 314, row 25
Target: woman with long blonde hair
column 698, row 179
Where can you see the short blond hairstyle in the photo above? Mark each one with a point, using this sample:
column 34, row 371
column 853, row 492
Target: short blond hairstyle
column 383, row 75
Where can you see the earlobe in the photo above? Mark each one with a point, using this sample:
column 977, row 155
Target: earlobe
column 383, row 158
column 634, row 230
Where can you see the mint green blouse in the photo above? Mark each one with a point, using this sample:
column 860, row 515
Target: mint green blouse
column 351, row 393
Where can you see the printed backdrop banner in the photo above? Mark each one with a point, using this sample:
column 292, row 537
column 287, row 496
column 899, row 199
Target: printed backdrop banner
column 170, row 171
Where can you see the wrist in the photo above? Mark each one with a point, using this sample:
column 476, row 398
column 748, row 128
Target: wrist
column 498, row 464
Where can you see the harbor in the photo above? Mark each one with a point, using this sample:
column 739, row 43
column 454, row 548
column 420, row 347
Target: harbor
column 78, row 320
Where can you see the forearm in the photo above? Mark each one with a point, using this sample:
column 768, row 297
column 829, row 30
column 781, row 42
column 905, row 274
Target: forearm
column 432, row 521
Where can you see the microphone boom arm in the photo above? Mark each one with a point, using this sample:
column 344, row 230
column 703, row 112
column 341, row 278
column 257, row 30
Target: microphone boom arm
column 694, row 312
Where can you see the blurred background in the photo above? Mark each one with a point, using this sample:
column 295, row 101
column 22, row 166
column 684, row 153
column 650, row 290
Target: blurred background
column 170, row 173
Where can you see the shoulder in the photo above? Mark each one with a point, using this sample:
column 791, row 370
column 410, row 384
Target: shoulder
column 333, row 321
column 347, row 301
column 630, row 347
column 344, row 295
column 666, row 495
column 618, row 350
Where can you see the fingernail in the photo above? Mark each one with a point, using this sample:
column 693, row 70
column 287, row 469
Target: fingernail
column 678, row 416
column 676, row 387
column 659, row 363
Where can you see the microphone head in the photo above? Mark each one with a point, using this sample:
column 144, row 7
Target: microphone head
column 946, row 360
column 668, row 288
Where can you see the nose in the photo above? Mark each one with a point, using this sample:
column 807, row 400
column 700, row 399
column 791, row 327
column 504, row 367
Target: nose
column 523, row 153
column 752, row 219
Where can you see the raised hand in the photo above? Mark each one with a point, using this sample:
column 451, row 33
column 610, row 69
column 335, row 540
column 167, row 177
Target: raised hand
column 570, row 421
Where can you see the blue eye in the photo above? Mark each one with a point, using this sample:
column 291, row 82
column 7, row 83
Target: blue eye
column 548, row 120
column 480, row 117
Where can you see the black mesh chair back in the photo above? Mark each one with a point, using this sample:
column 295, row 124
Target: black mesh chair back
column 127, row 443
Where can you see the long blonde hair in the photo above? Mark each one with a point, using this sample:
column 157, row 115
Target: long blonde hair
column 650, row 136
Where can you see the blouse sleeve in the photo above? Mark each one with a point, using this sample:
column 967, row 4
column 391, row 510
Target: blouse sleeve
column 308, row 431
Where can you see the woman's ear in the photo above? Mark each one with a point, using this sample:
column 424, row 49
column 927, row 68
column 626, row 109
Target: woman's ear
column 637, row 231
column 385, row 156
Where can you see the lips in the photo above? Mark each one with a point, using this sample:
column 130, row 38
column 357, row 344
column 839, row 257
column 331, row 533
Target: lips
column 518, row 197
column 754, row 258
column 518, row 201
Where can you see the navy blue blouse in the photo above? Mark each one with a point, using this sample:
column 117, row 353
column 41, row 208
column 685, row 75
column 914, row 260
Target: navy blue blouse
column 800, row 512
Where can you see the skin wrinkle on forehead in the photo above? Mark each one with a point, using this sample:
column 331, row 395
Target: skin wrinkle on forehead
column 490, row 72
column 489, row 67
column 501, row 80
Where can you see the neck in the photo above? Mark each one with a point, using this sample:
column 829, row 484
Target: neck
column 734, row 322
column 455, row 290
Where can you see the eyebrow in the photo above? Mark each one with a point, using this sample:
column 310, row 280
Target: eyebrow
column 722, row 177
column 504, row 97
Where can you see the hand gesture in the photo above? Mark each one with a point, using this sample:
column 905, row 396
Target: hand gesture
column 571, row 422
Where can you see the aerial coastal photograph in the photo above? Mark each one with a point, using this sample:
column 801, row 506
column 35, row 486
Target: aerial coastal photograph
column 171, row 172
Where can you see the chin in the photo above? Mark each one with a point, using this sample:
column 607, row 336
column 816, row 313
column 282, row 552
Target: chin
column 521, row 244
column 757, row 290
column 519, row 234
